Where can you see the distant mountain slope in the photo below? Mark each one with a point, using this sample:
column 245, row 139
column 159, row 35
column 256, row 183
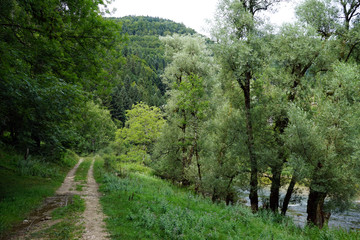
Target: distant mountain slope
column 144, row 62
column 143, row 26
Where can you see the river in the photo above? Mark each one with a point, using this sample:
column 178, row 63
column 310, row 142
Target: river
column 349, row 219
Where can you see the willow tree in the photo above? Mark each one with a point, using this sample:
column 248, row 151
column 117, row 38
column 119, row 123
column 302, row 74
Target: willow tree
column 242, row 52
column 323, row 137
column 188, row 80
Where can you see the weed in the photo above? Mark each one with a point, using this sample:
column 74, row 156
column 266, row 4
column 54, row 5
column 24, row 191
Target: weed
column 37, row 167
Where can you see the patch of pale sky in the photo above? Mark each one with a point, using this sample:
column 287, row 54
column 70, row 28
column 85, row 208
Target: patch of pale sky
column 192, row 13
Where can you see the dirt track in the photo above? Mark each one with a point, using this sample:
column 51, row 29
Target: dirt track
column 92, row 218
column 93, row 215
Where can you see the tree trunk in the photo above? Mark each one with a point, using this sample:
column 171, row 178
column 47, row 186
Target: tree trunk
column 250, row 144
column 288, row 195
column 184, row 180
column 215, row 196
column 315, row 205
column 230, row 195
column 199, row 185
column 275, row 188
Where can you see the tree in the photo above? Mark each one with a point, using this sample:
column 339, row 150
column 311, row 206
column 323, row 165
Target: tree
column 321, row 15
column 338, row 18
column 95, row 128
column 321, row 139
column 51, row 54
column 188, row 76
column 242, row 53
column 224, row 146
column 297, row 52
column 141, row 129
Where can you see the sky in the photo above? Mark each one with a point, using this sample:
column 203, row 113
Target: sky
column 192, row 13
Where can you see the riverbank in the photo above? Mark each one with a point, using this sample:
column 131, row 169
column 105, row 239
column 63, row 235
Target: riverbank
column 348, row 220
column 141, row 206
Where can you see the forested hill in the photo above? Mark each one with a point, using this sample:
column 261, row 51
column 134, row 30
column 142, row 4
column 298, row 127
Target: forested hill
column 142, row 26
column 144, row 62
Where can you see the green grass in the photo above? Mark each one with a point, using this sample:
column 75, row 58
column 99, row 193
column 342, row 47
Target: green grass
column 69, row 227
column 79, row 187
column 64, row 230
column 77, row 205
column 141, row 206
column 82, row 171
column 24, row 185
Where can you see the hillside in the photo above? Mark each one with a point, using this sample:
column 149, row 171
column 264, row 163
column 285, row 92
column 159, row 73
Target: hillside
column 143, row 62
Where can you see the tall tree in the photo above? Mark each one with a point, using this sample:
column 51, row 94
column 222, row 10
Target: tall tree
column 242, row 52
column 322, row 141
column 188, row 77
column 296, row 53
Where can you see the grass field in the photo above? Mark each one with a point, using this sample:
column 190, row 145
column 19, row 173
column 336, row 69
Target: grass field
column 141, row 206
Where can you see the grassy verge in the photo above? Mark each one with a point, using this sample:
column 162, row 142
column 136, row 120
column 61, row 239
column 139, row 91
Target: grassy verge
column 24, row 184
column 81, row 174
column 141, row 206
column 69, row 226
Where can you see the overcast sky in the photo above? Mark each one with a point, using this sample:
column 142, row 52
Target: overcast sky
column 192, row 13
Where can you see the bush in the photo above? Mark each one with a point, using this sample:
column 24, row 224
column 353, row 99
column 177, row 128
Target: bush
column 37, row 167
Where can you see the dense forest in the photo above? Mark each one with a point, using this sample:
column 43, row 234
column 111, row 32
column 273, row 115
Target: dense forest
column 143, row 63
column 249, row 107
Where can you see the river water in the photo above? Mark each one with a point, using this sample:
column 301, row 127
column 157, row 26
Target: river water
column 297, row 209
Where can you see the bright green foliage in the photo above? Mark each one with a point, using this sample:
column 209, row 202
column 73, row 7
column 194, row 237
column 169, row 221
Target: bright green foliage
column 143, row 125
column 141, row 130
column 192, row 96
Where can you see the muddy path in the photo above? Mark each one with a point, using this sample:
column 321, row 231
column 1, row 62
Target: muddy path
column 41, row 219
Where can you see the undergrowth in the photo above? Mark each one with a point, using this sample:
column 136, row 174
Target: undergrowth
column 141, row 206
column 25, row 183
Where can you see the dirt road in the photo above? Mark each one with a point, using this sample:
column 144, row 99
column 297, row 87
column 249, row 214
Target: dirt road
column 93, row 215
column 92, row 219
